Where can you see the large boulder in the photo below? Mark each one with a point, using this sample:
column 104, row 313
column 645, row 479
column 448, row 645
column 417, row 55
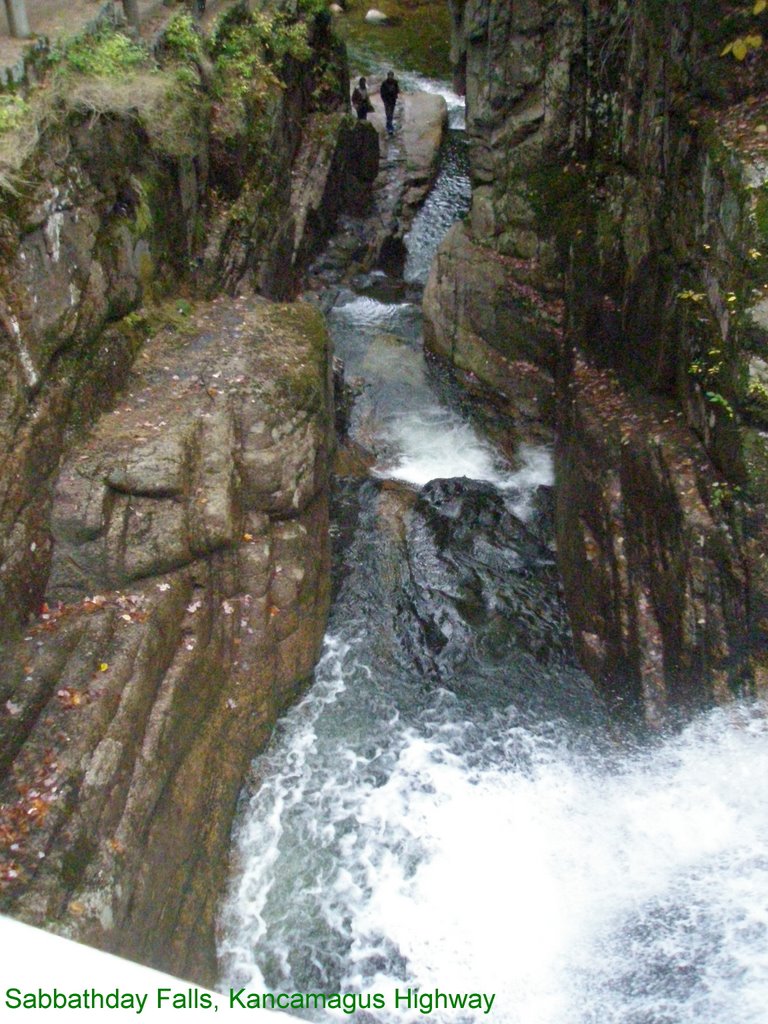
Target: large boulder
column 186, row 606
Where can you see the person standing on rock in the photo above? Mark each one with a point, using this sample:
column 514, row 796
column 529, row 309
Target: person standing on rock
column 361, row 101
column 389, row 91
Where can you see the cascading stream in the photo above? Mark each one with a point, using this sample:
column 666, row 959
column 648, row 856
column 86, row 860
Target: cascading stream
column 450, row 808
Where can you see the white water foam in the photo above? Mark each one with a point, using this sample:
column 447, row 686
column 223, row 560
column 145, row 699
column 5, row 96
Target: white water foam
column 579, row 893
column 284, row 770
column 423, row 439
column 435, row 443
column 547, row 888
column 536, row 470
column 368, row 314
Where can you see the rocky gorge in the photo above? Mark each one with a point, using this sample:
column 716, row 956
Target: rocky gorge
column 165, row 482
column 609, row 282
column 168, row 438
column 168, row 424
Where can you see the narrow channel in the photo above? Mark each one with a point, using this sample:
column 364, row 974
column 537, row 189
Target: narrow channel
column 450, row 806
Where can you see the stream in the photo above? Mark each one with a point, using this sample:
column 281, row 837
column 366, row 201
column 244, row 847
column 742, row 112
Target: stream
column 451, row 807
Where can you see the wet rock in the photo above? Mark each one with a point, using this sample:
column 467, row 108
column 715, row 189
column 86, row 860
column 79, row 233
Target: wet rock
column 542, row 515
column 195, row 582
column 379, row 219
column 481, row 591
column 106, row 220
column 352, row 460
column 424, row 118
column 335, row 169
column 654, row 579
column 481, row 319
column 638, row 268
column 343, row 397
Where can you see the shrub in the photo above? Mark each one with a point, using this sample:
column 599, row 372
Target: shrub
column 104, row 54
column 182, row 40
column 13, row 111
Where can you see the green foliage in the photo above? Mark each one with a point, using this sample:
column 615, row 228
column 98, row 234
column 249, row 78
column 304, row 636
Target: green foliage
column 143, row 216
column 182, row 39
column 707, row 367
column 724, row 495
column 105, row 72
column 239, row 62
column 757, row 398
column 247, row 49
column 740, row 47
column 326, row 79
column 311, row 8
column 173, row 314
column 715, row 398
column 105, row 54
column 13, row 111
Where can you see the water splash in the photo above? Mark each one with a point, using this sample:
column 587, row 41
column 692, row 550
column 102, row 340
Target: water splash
column 630, row 886
column 434, row 443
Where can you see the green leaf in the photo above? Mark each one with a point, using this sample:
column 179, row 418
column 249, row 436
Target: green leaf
column 760, row 6
column 726, row 49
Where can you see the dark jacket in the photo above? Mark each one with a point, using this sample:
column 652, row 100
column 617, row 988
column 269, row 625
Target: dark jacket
column 389, row 91
column 361, row 100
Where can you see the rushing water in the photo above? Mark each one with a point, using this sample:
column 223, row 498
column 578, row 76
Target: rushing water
column 450, row 807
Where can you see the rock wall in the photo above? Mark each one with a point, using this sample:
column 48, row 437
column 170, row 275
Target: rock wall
column 116, row 210
column 163, row 492
column 618, row 166
column 186, row 606
column 493, row 303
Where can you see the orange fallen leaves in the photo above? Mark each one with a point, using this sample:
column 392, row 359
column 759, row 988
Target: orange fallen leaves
column 70, row 698
column 29, row 811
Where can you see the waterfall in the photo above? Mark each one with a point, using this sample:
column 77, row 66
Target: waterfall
column 450, row 809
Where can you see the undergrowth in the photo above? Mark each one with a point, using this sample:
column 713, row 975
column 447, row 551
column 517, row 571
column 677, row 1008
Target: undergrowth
column 103, row 54
column 13, row 110
column 106, row 73
column 249, row 50
column 101, row 74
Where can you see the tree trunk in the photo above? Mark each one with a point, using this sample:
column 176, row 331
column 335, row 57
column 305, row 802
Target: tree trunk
column 131, row 8
column 17, row 18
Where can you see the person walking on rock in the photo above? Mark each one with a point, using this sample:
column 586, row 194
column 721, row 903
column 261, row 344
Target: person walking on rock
column 361, row 101
column 389, row 91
